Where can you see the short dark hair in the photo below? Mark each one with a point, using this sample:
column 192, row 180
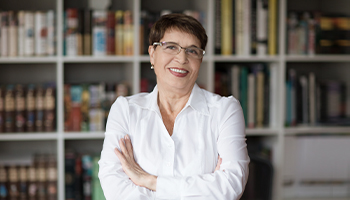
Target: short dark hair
column 181, row 22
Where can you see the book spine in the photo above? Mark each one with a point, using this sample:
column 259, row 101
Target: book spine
column 272, row 32
column 292, row 22
column 32, row 183
column 4, row 190
column 253, row 26
column 40, row 161
column 49, row 108
column 97, row 192
column 304, row 100
column 80, row 32
column 23, row 183
column 50, row 49
column 2, row 109
column 246, row 9
column 29, row 34
column 20, row 109
column 244, row 92
column 87, row 32
column 78, row 187
column 111, row 33
column 9, row 109
column 4, row 34
column 69, row 175
column 251, row 100
column 39, row 112
column 226, row 27
column 71, row 32
column 235, row 81
column 239, row 27
column 128, row 33
column 12, row 16
column 85, row 101
column 40, row 33
column 217, row 39
column 75, row 114
column 67, row 108
column 260, row 79
column 261, row 27
column 30, row 108
column 51, row 174
column 119, row 32
column 312, row 99
column 13, row 183
column 87, row 176
column 21, row 32
column 99, row 33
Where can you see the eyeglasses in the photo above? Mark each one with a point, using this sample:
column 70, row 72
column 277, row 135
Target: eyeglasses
column 174, row 49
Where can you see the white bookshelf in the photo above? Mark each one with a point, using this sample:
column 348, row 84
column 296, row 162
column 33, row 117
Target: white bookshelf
column 60, row 69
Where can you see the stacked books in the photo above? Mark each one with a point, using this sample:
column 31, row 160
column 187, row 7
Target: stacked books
column 27, row 33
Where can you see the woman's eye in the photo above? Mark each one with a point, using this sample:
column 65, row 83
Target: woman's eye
column 171, row 47
column 192, row 51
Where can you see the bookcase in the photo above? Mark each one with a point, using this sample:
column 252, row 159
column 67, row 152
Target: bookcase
column 17, row 148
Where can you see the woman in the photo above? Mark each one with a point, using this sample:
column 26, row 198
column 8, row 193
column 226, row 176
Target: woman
column 165, row 144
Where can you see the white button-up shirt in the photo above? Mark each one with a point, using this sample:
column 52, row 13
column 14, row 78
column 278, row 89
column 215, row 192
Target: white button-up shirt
column 209, row 125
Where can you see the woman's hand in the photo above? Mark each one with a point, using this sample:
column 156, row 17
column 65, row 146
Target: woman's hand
column 218, row 165
column 131, row 168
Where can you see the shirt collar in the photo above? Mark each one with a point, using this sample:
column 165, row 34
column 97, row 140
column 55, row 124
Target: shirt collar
column 197, row 100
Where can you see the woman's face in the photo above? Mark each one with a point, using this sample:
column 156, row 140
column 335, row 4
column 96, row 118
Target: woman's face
column 179, row 71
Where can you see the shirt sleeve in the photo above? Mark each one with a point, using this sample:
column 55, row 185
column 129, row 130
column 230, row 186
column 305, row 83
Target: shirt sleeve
column 115, row 183
column 228, row 182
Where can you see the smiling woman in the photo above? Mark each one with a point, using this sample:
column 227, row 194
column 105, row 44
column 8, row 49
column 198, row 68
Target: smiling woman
column 179, row 141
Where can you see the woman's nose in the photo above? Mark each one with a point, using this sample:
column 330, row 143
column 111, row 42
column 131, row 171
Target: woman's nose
column 182, row 56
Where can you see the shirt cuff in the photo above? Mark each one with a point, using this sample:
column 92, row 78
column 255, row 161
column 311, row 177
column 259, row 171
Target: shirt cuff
column 168, row 187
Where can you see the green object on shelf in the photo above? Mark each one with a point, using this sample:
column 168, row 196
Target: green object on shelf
column 97, row 192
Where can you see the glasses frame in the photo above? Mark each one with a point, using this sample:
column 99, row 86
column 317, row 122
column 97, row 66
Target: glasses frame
column 162, row 43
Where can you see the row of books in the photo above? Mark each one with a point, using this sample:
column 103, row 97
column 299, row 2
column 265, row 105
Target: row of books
column 246, row 27
column 81, row 177
column 250, row 85
column 315, row 32
column 27, row 33
column 27, row 108
column 86, row 106
column 98, row 32
column 310, row 101
column 34, row 182
column 148, row 18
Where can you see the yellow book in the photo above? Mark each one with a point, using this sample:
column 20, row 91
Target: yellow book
column 119, row 32
column 226, row 27
column 272, row 38
column 128, row 33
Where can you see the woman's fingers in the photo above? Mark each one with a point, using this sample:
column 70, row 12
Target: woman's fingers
column 123, row 148
column 129, row 146
column 219, row 163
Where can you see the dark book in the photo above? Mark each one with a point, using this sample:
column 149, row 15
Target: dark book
column 110, row 33
column 85, row 107
column 69, row 175
column 87, row 32
column 9, row 109
column 51, row 187
column 2, row 108
column 39, row 112
column 19, row 108
column 67, row 108
column 217, row 40
column 23, row 183
column 30, row 108
column 49, row 108
column 87, row 176
column 4, row 192
column 32, row 183
column 78, row 182
column 13, row 183
column 40, row 165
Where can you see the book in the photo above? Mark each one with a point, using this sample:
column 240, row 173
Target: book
column 32, row 182
column 2, row 108
column 29, row 47
column 251, row 100
column 235, row 70
column 110, row 33
column 50, row 40
column 246, row 20
column 128, row 44
column 239, row 28
column 19, row 109
column 71, row 31
column 303, row 102
column 87, row 176
column 312, row 98
column 9, row 109
column 4, row 190
column 244, row 92
column 80, row 32
column 39, row 109
column 272, row 27
column 12, row 31
column 97, row 192
column 21, row 32
column 40, row 33
column 217, row 39
column 78, row 179
column 226, row 27
column 4, row 28
column 75, row 114
column 99, row 32
column 51, row 173
column 23, row 182
column 40, row 165
column 261, row 27
column 292, row 27
column 13, row 184
column 49, row 108
column 119, row 32
column 30, row 108
column 87, row 33
column 69, row 167
column 85, row 106
column 260, row 79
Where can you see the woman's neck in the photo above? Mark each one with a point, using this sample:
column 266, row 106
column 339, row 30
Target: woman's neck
column 172, row 102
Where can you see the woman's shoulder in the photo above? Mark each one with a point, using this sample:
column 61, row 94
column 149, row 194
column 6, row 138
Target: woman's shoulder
column 215, row 100
column 140, row 99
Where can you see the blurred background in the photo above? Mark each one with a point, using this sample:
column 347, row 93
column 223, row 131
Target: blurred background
column 63, row 63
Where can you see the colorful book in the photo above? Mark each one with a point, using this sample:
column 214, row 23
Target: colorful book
column 261, row 27
column 119, row 32
column 99, row 32
column 110, row 33
column 29, row 45
column 128, row 44
column 40, row 33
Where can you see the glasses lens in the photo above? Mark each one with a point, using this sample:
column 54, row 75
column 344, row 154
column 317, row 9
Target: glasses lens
column 171, row 48
column 194, row 52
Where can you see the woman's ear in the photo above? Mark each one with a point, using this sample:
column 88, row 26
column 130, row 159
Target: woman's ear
column 151, row 53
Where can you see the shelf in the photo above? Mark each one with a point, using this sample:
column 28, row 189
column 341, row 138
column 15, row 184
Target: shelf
column 83, row 135
column 28, row 136
column 14, row 60
column 316, row 130
column 233, row 58
column 261, row 132
column 318, row 58
column 98, row 59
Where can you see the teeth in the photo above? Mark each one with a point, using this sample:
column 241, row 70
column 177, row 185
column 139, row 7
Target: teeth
column 178, row 70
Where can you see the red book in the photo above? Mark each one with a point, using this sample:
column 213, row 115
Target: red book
column 111, row 33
